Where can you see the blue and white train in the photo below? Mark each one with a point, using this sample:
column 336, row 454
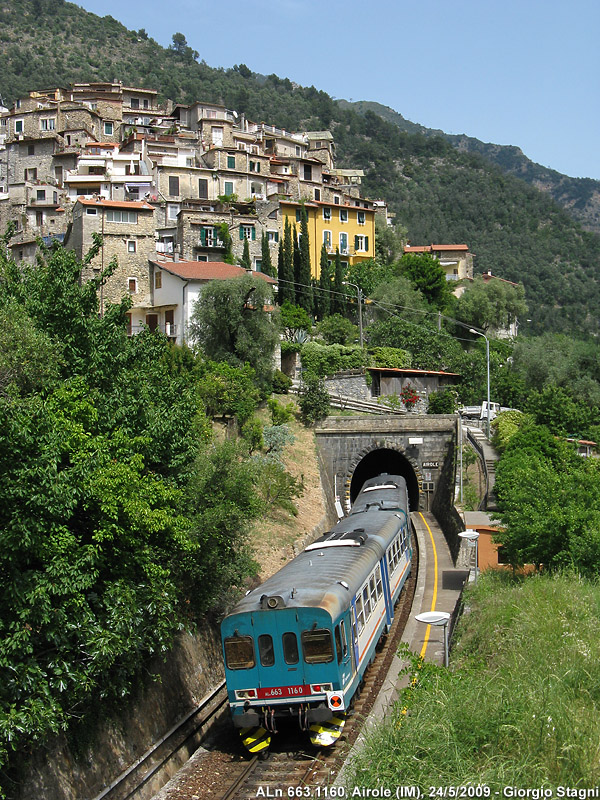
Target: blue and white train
column 299, row 644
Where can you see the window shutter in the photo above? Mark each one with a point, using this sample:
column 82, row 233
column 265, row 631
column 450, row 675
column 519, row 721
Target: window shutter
column 253, row 234
column 241, row 233
column 366, row 242
column 356, row 243
column 203, row 237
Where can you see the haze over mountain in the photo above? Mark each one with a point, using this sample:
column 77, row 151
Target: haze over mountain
column 439, row 191
column 579, row 196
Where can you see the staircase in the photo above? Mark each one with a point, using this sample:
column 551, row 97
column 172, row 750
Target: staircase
column 488, row 457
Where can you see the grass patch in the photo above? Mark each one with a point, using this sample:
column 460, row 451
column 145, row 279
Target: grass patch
column 519, row 704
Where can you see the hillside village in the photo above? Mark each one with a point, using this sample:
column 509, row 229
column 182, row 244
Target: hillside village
column 165, row 185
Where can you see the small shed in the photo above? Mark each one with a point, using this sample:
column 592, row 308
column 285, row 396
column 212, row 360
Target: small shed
column 388, row 381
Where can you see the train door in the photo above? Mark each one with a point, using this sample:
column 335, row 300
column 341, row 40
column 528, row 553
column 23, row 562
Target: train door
column 291, row 664
column 344, row 650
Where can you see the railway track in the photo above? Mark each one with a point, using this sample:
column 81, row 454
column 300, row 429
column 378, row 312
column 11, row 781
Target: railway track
column 222, row 770
column 183, row 738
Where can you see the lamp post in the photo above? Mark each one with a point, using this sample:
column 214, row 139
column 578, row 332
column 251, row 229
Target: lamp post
column 439, row 619
column 472, row 538
column 487, row 358
column 359, row 294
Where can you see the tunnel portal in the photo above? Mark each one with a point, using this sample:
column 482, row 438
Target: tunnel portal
column 390, row 461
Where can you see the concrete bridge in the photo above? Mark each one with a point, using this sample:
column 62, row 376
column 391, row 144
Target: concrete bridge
column 419, row 447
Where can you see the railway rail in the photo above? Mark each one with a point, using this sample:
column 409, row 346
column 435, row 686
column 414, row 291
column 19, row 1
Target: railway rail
column 225, row 773
column 221, row 769
column 187, row 732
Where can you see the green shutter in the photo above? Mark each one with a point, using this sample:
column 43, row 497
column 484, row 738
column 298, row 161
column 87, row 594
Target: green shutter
column 203, row 237
column 355, row 244
column 241, row 234
column 253, row 234
column 366, row 242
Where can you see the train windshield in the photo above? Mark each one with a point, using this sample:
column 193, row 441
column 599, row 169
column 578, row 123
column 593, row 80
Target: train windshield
column 317, row 646
column 239, row 652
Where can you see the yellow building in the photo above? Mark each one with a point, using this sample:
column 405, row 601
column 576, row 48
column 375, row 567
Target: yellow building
column 347, row 226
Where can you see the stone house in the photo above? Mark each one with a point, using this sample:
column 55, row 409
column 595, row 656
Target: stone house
column 127, row 230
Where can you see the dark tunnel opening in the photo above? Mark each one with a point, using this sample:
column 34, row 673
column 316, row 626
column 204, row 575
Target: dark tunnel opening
column 392, row 462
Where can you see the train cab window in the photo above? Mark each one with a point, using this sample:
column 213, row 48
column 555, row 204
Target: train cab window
column 360, row 614
column 290, row 648
column 338, row 644
column 366, row 602
column 239, row 652
column 317, row 646
column 265, row 650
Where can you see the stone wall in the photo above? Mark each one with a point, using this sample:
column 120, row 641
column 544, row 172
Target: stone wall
column 61, row 772
column 351, row 383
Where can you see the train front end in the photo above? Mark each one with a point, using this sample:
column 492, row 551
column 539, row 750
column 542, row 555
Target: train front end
column 281, row 663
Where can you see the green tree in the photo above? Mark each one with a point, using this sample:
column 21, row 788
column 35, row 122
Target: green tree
column 245, row 262
column 266, row 263
column 232, row 323
column 314, row 399
column 338, row 296
column 336, row 329
column 225, row 237
column 293, row 320
column 285, row 267
column 428, row 276
column 304, row 292
column 323, row 293
column 491, row 305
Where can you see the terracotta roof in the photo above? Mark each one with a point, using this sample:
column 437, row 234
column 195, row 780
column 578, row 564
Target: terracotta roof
column 429, row 248
column 207, row 270
column 488, row 276
column 134, row 205
column 408, row 371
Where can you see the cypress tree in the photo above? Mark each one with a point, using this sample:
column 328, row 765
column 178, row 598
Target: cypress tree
column 246, row 263
column 266, row 263
column 304, row 279
column 297, row 269
column 324, row 294
column 338, row 303
column 285, row 267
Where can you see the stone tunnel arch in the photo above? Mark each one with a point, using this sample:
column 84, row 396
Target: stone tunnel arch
column 385, row 459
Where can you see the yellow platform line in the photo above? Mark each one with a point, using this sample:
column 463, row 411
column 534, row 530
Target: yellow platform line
column 435, row 584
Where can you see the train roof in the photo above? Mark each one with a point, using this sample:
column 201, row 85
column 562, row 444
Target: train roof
column 388, row 492
column 331, row 570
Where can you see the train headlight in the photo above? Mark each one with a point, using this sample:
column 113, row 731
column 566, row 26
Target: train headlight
column 320, row 688
column 245, row 694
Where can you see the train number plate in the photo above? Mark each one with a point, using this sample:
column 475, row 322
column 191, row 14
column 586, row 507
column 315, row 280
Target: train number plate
column 283, row 691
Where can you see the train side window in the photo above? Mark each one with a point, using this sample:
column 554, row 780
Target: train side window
column 366, row 602
column 344, row 638
column 379, row 581
column 265, row 650
column 317, row 646
column 338, row 644
column 239, row 652
column 373, row 591
column 290, row 648
column 360, row 614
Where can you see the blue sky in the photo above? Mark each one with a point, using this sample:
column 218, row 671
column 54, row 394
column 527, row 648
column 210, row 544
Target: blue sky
column 520, row 72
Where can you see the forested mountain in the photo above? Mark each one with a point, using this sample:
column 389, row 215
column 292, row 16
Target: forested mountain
column 440, row 193
column 580, row 197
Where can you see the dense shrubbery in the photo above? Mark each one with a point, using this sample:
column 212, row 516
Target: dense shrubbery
column 325, row 360
column 122, row 520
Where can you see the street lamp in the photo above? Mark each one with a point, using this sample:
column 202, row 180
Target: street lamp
column 487, row 357
column 359, row 293
column 471, row 537
column 439, row 619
